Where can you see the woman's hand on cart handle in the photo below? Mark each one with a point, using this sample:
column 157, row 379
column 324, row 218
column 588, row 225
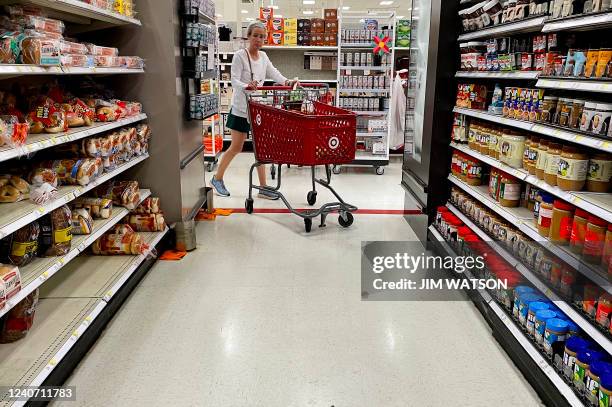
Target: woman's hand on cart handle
column 252, row 85
column 292, row 83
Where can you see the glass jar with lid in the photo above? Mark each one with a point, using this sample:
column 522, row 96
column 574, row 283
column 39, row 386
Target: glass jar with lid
column 540, row 167
column 512, row 149
column 601, row 119
column 532, row 158
column 561, row 224
column 564, row 112
column 581, row 218
column 509, row 191
column 572, row 169
column 545, row 214
column 493, row 140
column 552, row 163
column 587, row 116
column 594, row 240
column 576, row 113
column 599, row 173
column 526, row 152
column 549, row 107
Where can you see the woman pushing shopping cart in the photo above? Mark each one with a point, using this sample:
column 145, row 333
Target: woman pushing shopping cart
column 293, row 126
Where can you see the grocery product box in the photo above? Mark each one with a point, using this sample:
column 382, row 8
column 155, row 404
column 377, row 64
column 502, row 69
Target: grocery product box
column 316, row 63
column 276, row 38
column 266, row 13
column 276, row 24
column 317, row 25
column 304, row 38
column 304, row 25
column 290, row 39
column 331, row 26
column 402, row 38
column 330, row 14
column 291, row 25
column 330, row 39
column 317, row 39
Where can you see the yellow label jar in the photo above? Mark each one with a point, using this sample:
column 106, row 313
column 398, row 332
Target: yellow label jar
column 572, row 170
column 512, row 149
column 542, row 151
column 552, row 163
column 599, row 173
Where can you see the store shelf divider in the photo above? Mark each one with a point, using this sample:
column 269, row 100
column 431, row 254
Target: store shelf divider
column 585, row 22
column 524, row 26
column 575, row 84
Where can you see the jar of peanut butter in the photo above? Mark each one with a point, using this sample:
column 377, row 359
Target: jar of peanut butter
column 526, row 153
column 561, row 224
column 572, row 170
column 509, row 191
column 545, row 213
column 493, row 143
column 532, row 157
column 472, row 139
column 552, row 163
column 542, row 158
column 599, row 173
column 512, row 149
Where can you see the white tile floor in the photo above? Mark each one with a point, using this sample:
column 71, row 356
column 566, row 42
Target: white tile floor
column 262, row 314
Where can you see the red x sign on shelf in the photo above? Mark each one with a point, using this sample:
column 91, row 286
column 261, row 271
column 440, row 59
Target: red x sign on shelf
column 381, row 45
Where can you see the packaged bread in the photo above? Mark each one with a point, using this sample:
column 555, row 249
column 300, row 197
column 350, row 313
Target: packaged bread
column 97, row 50
column 143, row 131
column 104, row 61
column 47, row 117
column 40, row 176
column 23, row 245
column 56, row 232
column 19, row 320
column 152, row 222
column 72, row 171
column 134, row 108
column 122, row 193
column 80, row 107
column 122, row 240
column 99, row 166
column 132, row 62
column 149, row 205
column 98, row 208
column 12, row 132
column 2, row 295
column 106, row 114
column 13, row 189
column 43, row 24
column 82, row 222
column 19, row 10
column 9, row 274
column 75, row 60
column 43, row 194
column 9, row 48
column 40, row 50
column 73, row 48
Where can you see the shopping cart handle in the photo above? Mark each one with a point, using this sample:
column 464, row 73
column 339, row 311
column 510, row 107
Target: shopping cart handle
column 303, row 85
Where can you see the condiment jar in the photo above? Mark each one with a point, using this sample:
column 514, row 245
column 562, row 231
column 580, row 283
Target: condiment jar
column 532, row 156
column 553, row 155
column 524, row 302
column 440, row 211
column 599, row 173
column 494, row 183
column 564, row 112
column 555, row 334
column 540, row 323
column 561, row 106
column 573, row 345
column 534, row 307
column 572, row 169
column 601, row 119
column 545, row 214
column 542, row 158
column 509, row 191
column 472, row 136
column 605, row 390
column 512, row 149
column 587, row 116
column 518, row 292
column 526, row 153
column 561, row 224
column 589, row 299
column 473, row 175
column 607, row 252
column 604, row 311
column 581, row 218
column 584, row 359
column 549, row 107
column 593, row 378
column 594, row 239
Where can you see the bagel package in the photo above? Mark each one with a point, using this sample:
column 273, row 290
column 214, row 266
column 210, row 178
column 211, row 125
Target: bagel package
column 47, row 117
column 56, row 232
column 13, row 189
column 18, row 321
column 121, row 240
column 72, row 171
column 78, row 113
column 40, row 176
column 12, row 132
column 10, row 280
column 82, row 222
column 122, row 193
column 21, row 247
column 98, row 208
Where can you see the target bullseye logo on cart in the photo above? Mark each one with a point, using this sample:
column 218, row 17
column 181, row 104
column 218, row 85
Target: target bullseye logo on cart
column 258, row 119
column 334, row 143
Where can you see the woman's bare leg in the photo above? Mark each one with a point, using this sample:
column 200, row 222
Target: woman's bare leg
column 234, row 149
column 261, row 173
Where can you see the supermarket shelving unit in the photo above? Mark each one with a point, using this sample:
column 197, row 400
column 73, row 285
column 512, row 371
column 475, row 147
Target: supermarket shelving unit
column 79, row 293
column 380, row 159
column 555, row 389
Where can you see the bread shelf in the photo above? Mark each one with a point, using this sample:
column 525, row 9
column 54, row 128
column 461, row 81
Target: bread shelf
column 68, row 306
column 37, row 142
column 519, row 27
column 12, row 70
column 546, row 130
column 583, row 85
column 14, row 216
column 527, row 75
column 580, row 23
column 517, row 333
column 81, row 12
column 41, row 269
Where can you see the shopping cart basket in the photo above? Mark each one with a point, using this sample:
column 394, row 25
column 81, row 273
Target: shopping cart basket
column 290, row 126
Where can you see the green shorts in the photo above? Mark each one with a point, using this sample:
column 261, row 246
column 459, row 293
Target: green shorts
column 237, row 123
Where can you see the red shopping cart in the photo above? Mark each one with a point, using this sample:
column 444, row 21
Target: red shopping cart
column 291, row 126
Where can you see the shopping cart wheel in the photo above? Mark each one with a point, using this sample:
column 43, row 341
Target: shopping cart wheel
column 312, row 198
column 308, row 224
column 248, row 205
column 273, row 171
column 336, row 169
column 345, row 223
column 380, row 170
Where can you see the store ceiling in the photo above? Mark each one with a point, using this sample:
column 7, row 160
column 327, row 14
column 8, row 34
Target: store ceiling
column 244, row 9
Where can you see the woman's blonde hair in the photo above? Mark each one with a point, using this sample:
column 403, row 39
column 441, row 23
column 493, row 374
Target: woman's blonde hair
column 254, row 25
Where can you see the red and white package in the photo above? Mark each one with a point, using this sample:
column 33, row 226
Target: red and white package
column 73, row 48
column 11, row 278
column 74, row 60
column 122, row 240
column 97, row 50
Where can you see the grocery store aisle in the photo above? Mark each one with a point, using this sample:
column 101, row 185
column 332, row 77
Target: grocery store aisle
column 262, row 314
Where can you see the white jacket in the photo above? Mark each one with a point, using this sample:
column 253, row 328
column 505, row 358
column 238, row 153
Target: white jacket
column 241, row 77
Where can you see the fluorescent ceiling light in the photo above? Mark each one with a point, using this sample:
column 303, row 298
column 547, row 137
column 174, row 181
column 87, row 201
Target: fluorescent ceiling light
column 308, row 2
column 278, row 15
column 346, row 8
column 386, row 2
column 273, row 7
column 308, row 12
column 244, row 11
column 400, row 16
column 250, row 19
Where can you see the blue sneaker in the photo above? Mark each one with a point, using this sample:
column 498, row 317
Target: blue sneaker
column 267, row 195
column 219, row 187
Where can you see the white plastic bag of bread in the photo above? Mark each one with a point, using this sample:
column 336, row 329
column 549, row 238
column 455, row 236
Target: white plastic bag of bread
column 72, row 171
column 39, row 49
column 78, row 113
column 11, row 278
column 44, row 185
column 13, row 189
column 56, row 232
column 121, row 240
column 149, row 205
column 122, row 193
column 97, row 50
column 73, row 48
column 2, row 294
column 82, row 222
column 12, row 132
column 153, row 222
column 132, row 62
column 98, row 208
column 47, row 117
column 21, row 247
column 19, row 320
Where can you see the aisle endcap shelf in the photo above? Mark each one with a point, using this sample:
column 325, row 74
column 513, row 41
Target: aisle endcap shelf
column 519, row 27
column 578, row 23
